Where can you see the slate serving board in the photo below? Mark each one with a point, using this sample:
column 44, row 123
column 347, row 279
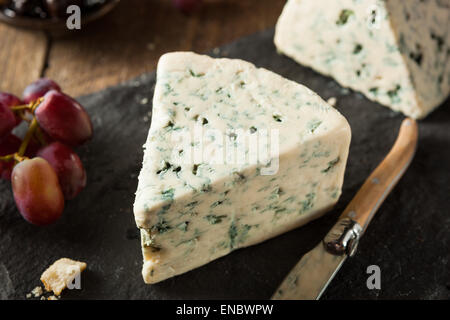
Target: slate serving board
column 409, row 238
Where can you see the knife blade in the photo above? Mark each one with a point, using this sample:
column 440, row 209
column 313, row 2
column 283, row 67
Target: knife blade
column 316, row 269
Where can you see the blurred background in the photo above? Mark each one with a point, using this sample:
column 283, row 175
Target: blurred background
column 125, row 42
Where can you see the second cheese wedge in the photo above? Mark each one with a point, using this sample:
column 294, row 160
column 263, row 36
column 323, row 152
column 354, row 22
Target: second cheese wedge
column 395, row 52
column 235, row 155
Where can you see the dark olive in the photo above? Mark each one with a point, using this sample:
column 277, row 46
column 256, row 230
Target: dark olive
column 58, row 8
column 31, row 8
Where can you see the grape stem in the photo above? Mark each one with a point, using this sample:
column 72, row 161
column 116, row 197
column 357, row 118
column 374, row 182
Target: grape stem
column 40, row 136
column 19, row 155
column 31, row 106
column 36, row 104
column 32, row 129
column 19, row 158
column 23, row 147
column 7, row 158
column 22, row 107
column 14, row 156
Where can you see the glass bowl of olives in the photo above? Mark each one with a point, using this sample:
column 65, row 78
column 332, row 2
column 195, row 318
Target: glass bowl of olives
column 51, row 15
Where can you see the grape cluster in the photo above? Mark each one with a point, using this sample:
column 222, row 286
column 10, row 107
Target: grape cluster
column 43, row 167
column 46, row 9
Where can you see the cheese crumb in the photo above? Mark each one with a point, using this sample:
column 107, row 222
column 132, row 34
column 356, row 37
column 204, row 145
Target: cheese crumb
column 60, row 274
column 147, row 117
column 37, row 292
column 52, row 298
column 332, row 101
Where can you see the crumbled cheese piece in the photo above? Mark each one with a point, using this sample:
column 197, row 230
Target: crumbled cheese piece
column 332, row 101
column 147, row 116
column 37, row 292
column 52, row 298
column 60, row 274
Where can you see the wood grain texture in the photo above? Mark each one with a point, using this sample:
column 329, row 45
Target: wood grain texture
column 22, row 58
column 130, row 40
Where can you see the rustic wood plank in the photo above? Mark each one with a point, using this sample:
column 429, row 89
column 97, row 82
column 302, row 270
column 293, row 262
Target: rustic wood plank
column 22, row 58
column 130, row 40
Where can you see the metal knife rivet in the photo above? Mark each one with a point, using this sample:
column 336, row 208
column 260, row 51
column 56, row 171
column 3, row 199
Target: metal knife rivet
column 343, row 238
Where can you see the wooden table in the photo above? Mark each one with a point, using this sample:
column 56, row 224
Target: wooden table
column 125, row 43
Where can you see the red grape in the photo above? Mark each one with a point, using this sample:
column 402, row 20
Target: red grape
column 8, row 145
column 7, row 120
column 37, row 191
column 10, row 100
column 187, row 6
column 64, row 119
column 68, row 168
column 38, row 89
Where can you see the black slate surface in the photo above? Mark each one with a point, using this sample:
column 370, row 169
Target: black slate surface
column 409, row 239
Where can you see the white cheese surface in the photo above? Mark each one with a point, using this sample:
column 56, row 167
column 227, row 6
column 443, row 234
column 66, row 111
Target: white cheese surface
column 395, row 52
column 191, row 212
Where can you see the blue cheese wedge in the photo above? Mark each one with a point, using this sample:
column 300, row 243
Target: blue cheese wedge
column 394, row 52
column 203, row 190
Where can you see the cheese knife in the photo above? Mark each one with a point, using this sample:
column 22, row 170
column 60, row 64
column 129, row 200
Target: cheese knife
column 311, row 276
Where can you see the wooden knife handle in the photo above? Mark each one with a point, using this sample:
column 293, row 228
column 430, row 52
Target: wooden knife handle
column 380, row 183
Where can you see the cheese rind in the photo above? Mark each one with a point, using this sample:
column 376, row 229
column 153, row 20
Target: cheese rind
column 192, row 211
column 394, row 52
